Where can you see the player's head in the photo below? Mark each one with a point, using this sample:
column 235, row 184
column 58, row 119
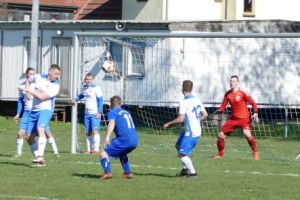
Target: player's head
column 54, row 72
column 115, row 101
column 88, row 79
column 30, row 72
column 234, row 81
column 187, row 86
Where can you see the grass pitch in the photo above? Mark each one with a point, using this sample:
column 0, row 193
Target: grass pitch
column 154, row 163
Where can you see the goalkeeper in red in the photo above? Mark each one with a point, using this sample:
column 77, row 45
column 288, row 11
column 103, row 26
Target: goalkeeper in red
column 240, row 117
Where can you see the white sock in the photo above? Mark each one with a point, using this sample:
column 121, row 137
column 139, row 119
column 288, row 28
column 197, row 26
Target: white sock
column 42, row 145
column 89, row 143
column 52, row 143
column 34, row 149
column 96, row 139
column 20, row 142
column 188, row 163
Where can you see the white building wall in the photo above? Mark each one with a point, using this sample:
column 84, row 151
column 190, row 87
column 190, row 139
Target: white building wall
column 188, row 10
column 267, row 68
column 12, row 61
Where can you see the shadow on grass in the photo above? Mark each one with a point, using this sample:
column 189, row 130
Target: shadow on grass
column 14, row 163
column 154, row 174
column 93, row 176
column 87, row 175
column 5, row 155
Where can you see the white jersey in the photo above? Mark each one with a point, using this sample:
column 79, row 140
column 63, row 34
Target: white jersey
column 42, row 84
column 27, row 99
column 89, row 94
column 191, row 108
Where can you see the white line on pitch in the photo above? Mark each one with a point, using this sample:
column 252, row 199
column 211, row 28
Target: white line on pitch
column 7, row 196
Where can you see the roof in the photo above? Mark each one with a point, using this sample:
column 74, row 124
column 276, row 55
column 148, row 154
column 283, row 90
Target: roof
column 51, row 3
column 100, row 9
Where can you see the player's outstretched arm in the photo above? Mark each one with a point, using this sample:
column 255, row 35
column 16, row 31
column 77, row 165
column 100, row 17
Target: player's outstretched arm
column 178, row 120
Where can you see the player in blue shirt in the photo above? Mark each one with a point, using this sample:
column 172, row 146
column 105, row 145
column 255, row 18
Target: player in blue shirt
column 126, row 139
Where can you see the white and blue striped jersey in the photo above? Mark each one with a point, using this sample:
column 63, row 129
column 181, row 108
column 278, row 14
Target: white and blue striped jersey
column 91, row 95
column 42, row 84
column 191, row 108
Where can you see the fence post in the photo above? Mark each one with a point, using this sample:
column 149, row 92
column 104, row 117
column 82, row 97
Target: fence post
column 286, row 122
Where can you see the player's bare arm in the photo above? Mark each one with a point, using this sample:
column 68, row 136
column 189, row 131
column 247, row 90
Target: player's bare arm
column 178, row 120
column 109, row 131
column 37, row 94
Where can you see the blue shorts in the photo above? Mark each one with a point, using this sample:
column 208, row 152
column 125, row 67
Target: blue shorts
column 24, row 120
column 118, row 148
column 39, row 119
column 91, row 123
column 186, row 144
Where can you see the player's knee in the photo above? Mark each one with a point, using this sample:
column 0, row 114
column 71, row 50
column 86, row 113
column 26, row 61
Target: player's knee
column 247, row 133
column 103, row 154
column 41, row 131
column 221, row 135
column 21, row 134
column 180, row 155
column 95, row 133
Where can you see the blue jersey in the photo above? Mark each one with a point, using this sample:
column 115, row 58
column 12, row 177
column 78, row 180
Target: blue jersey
column 124, row 126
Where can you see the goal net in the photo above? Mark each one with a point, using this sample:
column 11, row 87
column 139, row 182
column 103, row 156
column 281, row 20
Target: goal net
column 148, row 71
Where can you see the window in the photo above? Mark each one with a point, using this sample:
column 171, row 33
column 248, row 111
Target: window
column 131, row 55
column 135, row 55
column 249, row 8
column 27, row 17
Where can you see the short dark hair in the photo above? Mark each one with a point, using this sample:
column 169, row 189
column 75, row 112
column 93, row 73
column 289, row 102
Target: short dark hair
column 187, row 86
column 115, row 101
column 54, row 66
column 29, row 69
column 235, row 76
column 89, row 74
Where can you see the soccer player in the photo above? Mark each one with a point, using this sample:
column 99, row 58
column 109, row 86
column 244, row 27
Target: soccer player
column 46, row 87
column 23, row 112
column 191, row 112
column 240, row 117
column 92, row 96
column 126, row 139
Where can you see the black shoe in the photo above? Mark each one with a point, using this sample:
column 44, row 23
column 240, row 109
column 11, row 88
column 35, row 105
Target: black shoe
column 194, row 175
column 183, row 172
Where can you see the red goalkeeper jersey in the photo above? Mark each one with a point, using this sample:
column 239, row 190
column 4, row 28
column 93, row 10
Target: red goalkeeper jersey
column 238, row 101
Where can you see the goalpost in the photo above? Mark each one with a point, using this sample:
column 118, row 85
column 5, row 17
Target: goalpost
column 149, row 68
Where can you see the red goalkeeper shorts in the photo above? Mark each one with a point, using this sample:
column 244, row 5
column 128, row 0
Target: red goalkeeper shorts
column 233, row 123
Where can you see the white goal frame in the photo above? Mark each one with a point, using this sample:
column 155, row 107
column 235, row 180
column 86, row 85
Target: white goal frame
column 162, row 34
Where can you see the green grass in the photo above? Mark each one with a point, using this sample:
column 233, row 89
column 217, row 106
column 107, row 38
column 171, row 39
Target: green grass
column 154, row 162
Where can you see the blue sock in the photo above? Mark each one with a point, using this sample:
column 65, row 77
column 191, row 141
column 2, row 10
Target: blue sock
column 125, row 164
column 105, row 165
